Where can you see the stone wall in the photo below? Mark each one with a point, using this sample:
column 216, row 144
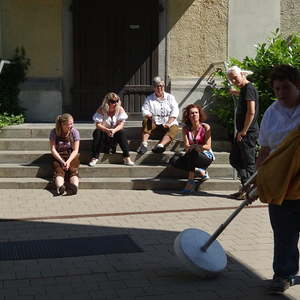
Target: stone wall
column 197, row 35
column 290, row 16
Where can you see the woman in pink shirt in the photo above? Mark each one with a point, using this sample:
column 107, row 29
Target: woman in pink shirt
column 197, row 144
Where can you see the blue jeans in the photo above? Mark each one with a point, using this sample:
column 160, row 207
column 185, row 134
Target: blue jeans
column 285, row 221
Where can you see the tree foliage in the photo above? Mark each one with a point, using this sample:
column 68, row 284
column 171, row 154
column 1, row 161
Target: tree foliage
column 10, row 79
column 278, row 49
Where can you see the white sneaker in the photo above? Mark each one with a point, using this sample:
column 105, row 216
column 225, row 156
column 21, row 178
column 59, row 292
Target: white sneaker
column 93, row 162
column 128, row 161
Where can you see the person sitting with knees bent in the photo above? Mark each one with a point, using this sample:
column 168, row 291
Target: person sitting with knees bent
column 64, row 146
column 160, row 111
column 110, row 119
column 197, row 144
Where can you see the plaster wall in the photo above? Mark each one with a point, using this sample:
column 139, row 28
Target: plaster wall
column 250, row 23
column 290, row 16
column 37, row 26
column 197, row 36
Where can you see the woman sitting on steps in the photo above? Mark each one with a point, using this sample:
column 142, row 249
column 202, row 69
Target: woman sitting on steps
column 110, row 119
column 64, row 146
column 197, row 144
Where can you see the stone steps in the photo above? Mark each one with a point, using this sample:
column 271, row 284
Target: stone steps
column 38, row 130
column 86, row 144
column 122, row 183
column 25, row 162
column 109, row 170
column 40, row 156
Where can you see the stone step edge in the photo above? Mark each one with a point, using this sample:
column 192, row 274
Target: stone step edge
column 85, row 151
column 116, row 179
column 99, row 165
column 122, row 183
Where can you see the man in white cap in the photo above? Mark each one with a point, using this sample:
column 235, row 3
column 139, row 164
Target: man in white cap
column 160, row 111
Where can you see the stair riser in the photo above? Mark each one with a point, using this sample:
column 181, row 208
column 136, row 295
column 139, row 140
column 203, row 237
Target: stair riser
column 131, row 132
column 88, row 172
column 133, row 185
column 86, row 145
column 148, row 158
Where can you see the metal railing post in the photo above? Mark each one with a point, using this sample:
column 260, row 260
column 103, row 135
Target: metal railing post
column 2, row 63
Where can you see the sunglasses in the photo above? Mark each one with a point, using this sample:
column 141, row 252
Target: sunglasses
column 113, row 101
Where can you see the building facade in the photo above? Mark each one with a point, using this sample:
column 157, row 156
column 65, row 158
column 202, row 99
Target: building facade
column 80, row 50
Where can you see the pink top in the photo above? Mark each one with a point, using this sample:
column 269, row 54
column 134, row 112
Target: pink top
column 199, row 138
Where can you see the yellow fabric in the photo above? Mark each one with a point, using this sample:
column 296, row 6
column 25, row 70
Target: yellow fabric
column 278, row 178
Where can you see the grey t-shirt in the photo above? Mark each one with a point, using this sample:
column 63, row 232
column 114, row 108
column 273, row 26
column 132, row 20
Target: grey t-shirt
column 64, row 145
column 247, row 93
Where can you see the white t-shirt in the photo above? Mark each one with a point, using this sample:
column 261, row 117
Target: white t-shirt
column 110, row 122
column 161, row 110
column 277, row 122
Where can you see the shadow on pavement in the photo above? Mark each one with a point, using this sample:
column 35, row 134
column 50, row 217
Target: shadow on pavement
column 155, row 273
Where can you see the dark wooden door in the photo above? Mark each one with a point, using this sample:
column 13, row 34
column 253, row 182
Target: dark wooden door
column 115, row 49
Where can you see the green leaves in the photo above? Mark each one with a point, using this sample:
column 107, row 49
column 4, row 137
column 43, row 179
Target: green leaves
column 10, row 78
column 6, row 119
column 278, row 49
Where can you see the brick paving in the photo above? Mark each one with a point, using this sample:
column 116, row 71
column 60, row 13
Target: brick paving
column 156, row 273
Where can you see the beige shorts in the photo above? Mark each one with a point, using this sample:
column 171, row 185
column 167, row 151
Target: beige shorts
column 159, row 131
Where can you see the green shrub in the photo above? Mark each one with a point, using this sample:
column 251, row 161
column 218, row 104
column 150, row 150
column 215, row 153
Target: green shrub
column 6, row 119
column 11, row 77
column 277, row 50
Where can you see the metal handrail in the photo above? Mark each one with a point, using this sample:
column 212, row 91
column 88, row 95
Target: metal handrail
column 2, row 63
column 210, row 67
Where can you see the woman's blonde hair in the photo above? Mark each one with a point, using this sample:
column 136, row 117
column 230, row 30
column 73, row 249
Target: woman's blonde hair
column 60, row 121
column 104, row 108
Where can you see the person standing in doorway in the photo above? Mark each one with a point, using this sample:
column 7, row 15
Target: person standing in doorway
column 243, row 154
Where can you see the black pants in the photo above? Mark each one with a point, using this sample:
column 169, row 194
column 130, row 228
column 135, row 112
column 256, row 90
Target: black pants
column 191, row 160
column 243, row 154
column 285, row 221
column 102, row 143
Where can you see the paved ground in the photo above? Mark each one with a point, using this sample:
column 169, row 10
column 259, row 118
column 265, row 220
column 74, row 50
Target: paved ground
column 153, row 220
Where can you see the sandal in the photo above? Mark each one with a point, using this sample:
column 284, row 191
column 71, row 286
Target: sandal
column 204, row 177
column 187, row 191
column 61, row 190
column 72, row 189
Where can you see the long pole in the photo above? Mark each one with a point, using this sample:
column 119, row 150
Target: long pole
column 250, row 198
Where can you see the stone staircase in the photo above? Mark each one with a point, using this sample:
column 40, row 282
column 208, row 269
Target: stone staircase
column 25, row 162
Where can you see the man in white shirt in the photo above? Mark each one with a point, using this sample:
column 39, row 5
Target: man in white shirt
column 160, row 111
